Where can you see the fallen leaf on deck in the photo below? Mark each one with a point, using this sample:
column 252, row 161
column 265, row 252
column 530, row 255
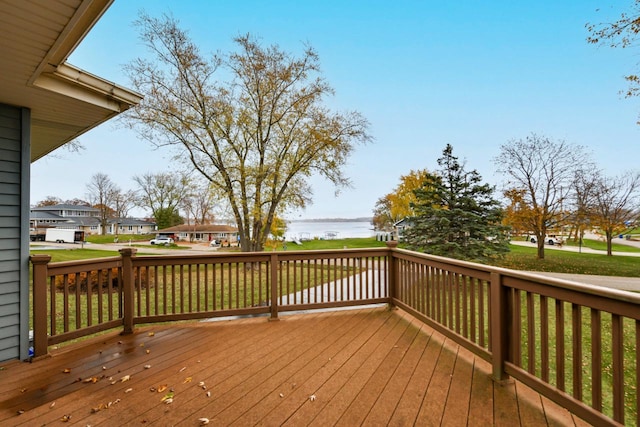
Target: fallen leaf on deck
column 90, row 380
column 187, row 380
column 312, row 397
column 65, row 418
column 125, row 378
column 147, row 366
column 20, row 411
column 151, row 334
column 23, row 390
column 183, row 368
column 208, row 394
column 129, row 390
column 66, row 371
column 281, row 395
column 52, row 404
column 168, row 396
column 148, row 351
column 203, row 421
column 162, row 388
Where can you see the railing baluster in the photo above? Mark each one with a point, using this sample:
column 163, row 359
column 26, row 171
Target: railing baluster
column 576, row 316
column 531, row 334
column 596, row 360
column 560, row 353
column 617, row 350
column 516, row 325
column 544, row 338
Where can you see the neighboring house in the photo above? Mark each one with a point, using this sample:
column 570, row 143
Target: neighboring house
column 130, row 226
column 71, row 217
column 400, row 228
column 44, row 103
column 85, row 218
column 202, row 233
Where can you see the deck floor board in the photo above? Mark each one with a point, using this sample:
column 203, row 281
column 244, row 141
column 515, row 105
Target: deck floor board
column 368, row 366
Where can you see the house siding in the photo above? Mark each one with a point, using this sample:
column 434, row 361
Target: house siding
column 14, row 188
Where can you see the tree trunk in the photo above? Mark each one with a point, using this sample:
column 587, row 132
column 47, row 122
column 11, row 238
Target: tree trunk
column 540, row 248
column 609, row 235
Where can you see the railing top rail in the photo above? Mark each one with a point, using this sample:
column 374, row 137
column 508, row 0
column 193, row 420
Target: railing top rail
column 600, row 291
column 62, row 267
column 258, row 256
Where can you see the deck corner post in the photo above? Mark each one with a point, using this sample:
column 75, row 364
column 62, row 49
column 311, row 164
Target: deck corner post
column 275, row 266
column 393, row 273
column 40, row 273
column 499, row 327
column 128, row 279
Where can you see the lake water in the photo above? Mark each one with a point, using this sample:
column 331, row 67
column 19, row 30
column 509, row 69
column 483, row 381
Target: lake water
column 329, row 229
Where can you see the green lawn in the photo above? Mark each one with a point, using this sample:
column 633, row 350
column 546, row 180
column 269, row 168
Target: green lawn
column 519, row 258
column 558, row 261
column 602, row 246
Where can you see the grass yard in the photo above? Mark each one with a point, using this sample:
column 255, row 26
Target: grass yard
column 600, row 245
column 558, row 261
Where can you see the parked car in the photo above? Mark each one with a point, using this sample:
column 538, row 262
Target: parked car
column 214, row 243
column 549, row 240
column 162, row 241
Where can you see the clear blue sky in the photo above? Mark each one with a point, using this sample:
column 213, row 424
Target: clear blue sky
column 474, row 74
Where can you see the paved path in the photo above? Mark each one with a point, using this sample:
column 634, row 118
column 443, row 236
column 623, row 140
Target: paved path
column 583, row 249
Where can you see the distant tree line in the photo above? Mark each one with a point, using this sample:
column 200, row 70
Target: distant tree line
column 170, row 199
column 550, row 186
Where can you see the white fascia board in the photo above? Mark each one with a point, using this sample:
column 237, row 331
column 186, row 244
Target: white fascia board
column 78, row 84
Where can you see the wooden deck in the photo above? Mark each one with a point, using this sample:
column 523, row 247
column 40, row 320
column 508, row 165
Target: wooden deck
column 357, row 367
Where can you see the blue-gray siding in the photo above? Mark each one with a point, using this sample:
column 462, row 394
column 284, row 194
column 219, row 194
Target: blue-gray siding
column 13, row 263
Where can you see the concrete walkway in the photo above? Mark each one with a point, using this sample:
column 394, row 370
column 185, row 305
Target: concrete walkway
column 583, row 249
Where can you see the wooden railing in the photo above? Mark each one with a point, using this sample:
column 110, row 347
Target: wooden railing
column 576, row 344
column 579, row 345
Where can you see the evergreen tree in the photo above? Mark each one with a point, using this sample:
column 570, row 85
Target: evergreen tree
column 456, row 215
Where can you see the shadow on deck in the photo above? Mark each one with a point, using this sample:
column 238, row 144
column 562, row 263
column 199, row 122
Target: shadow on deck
column 353, row 367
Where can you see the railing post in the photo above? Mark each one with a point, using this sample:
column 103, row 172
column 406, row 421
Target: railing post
column 500, row 314
column 40, row 274
column 275, row 265
column 393, row 273
column 128, row 279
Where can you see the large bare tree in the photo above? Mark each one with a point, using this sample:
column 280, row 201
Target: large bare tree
column 101, row 191
column 615, row 201
column 252, row 122
column 543, row 171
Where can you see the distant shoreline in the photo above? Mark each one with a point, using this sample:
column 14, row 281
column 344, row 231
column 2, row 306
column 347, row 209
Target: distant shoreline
column 361, row 219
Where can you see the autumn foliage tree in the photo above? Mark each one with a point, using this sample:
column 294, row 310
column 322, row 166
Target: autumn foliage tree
column 518, row 215
column 396, row 205
column 252, row 122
